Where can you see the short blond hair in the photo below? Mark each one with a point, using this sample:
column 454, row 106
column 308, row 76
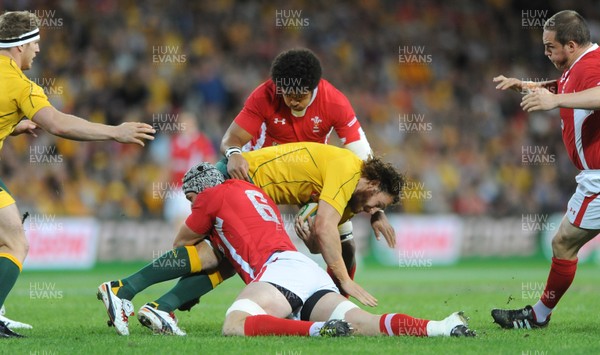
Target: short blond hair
column 15, row 23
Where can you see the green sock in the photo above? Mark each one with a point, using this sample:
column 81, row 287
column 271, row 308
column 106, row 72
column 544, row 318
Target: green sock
column 171, row 265
column 9, row 272
column 187, row 289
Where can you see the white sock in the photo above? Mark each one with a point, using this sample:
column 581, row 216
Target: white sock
column 315, row 328
column 436, row 328
column 541, row 312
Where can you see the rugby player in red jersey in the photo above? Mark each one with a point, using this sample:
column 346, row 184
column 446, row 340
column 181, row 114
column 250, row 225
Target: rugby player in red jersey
column 297, row 105
column 567, row 44
column 238, row 221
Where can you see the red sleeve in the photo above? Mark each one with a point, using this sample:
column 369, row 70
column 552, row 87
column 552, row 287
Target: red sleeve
column 200, row 221
column 254, row 112
column 346, row 125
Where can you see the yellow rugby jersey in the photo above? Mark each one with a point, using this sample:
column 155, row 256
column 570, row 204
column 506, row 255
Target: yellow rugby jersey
column 20, row 97
column 297, row 173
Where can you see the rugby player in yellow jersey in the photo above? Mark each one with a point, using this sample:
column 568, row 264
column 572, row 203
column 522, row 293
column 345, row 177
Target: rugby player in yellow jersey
column 21, row 98
column 294, row 173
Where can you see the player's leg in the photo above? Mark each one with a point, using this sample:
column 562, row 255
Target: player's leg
column 181, row 261
column 565, row 246
column 175, row 263
column 334, row 306
column 159, row 315
column 13, row 249
column 260, row 310
column 285, row 283
column 188, row 290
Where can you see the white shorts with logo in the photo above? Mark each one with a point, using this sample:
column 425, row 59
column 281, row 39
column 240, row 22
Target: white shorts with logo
column 297, row 273
column 583, row 209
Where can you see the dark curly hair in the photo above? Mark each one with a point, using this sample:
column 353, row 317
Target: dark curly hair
column 390, row 180
column 296, row 71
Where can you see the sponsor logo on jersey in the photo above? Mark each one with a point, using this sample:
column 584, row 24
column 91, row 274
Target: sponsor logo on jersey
column 279, row 120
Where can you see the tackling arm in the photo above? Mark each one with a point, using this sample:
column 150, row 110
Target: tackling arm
column 233, row 140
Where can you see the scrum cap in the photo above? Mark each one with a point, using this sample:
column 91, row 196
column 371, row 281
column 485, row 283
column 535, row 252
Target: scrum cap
column 201, row 177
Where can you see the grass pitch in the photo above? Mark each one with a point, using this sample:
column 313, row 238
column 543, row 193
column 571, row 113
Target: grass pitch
column 68, row 319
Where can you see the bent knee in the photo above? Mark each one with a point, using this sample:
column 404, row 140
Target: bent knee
column 234, row 326
column 15, row 243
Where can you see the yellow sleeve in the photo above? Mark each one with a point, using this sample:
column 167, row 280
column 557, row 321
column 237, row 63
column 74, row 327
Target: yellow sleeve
column 339, row 182
column 31, row 98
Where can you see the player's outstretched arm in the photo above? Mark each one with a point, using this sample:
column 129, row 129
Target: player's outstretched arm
column 521, row 86
column 505, row 83
column 542, row 100
column 75, row 128
column 234, row 139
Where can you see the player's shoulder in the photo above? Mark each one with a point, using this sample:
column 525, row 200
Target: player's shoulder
column 330, row 95
column 16, row 80
column 264, row 97
column 589, row 59
column 264, row 91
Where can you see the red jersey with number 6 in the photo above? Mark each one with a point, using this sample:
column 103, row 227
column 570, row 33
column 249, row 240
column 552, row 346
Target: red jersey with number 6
column 267, row 118
column 581, row 128
column 243, row 223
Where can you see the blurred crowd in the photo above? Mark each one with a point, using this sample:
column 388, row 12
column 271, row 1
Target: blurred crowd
column 418, row 74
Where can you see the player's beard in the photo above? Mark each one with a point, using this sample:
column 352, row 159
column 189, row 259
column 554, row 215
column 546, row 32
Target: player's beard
column 358, row 201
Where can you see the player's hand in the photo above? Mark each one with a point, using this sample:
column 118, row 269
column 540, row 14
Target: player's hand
column 303, row 231
column 539, row 100
column 237, row 167
column 134, row 132
column 505, row 83
column 25, row 127
column 355, row 290
column 381, row 226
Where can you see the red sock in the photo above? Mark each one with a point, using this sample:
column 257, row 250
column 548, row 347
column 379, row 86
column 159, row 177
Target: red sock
column 402, row 324
column 269, row 325
column 351, row 272
column 562, row 273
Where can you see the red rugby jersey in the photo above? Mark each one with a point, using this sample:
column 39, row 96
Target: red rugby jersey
column 266, row 117
column 243, row 223
column 581, row 128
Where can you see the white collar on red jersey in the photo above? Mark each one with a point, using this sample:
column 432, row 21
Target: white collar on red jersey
column 303, row 112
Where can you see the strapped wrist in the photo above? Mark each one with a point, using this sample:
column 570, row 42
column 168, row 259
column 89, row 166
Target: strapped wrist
column 232, row 150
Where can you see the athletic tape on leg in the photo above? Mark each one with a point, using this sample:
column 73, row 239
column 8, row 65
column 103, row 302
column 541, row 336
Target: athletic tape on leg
column 246, row 305
column 345, row 231
column 340, row 311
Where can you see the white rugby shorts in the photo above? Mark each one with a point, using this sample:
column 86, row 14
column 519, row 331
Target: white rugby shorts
column 583, row 209
column 297, row 273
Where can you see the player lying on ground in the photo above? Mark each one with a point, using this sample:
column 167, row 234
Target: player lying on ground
column 22, row 98
column 567, row 44
column 342, row 183
column 243, row 224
